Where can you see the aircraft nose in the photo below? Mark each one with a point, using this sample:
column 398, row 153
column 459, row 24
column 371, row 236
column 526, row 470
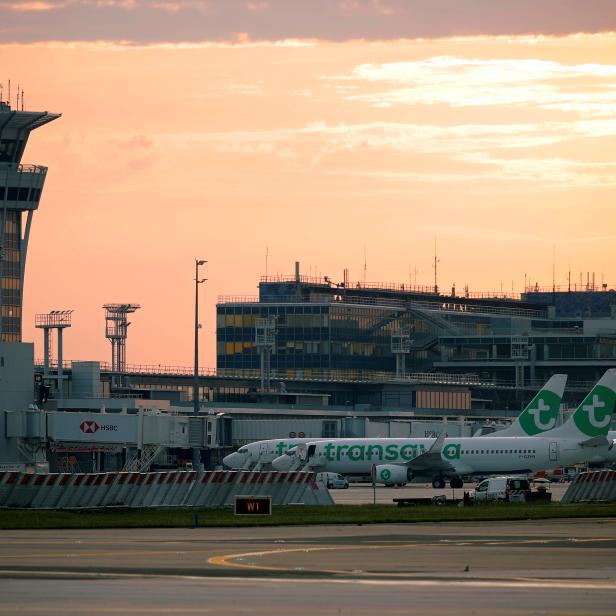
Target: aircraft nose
column 282, row 463
column 233, row 460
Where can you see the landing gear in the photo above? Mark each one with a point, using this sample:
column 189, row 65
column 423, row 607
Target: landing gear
column 456, row 483
column 438, row 483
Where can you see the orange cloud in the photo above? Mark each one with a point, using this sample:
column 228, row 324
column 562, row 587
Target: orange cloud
column 34, row 6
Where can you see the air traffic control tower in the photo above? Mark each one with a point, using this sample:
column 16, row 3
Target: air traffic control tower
column 20, row 192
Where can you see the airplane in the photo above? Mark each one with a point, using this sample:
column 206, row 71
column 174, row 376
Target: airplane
column 259, row 455
column 398, row 461
column 542, row 410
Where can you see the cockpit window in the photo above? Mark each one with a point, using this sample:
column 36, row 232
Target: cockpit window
column 242, row 450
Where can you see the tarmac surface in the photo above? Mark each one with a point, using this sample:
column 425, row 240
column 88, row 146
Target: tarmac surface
column 527, row 567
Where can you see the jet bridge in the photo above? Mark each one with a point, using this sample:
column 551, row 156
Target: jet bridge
column 144, row 431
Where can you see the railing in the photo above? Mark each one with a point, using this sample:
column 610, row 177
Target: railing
column 136, row 368
column 354, row 376
column 387, row 286
column 574, row 287
column 447, row 305
column 38, row 169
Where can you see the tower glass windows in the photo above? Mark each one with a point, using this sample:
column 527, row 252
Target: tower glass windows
column 10, row 274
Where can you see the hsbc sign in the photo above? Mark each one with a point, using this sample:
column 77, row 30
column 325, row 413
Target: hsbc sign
column 92, row 427
column 89, row 427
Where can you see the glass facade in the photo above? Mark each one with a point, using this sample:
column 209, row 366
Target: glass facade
column 337, row 336
column 322, row 329
column 302, row 336
column 10, row 274
column 542, row 348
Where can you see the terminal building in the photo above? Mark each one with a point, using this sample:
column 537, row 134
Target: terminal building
column 355, row 330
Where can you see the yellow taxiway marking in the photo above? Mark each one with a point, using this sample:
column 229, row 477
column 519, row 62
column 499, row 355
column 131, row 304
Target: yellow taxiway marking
column 230, row 560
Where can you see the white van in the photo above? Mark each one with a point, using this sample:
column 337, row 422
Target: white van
column 333, row 480
column 513, row 489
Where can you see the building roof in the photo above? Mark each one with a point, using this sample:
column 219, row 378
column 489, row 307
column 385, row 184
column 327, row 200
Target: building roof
column 24, row 120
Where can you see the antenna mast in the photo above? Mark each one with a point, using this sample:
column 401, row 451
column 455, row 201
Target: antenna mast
column 365, row 266
column 436, row 261
column 554, row 270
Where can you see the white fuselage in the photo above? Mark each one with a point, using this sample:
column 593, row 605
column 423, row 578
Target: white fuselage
column 260, row 454
column 467, row 455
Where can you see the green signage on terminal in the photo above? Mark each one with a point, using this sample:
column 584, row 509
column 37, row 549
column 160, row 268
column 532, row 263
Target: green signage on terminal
column 253, row 505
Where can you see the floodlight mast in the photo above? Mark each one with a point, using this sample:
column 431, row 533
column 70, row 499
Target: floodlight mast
column 198, row 281
column 116, row 331
column 58, row 320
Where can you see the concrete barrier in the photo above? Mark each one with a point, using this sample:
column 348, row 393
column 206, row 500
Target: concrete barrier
column 592, row 487
column 157, row 489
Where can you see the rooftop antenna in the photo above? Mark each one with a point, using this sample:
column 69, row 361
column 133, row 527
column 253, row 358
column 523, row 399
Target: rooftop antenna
column 554, row 269
column 365, row 266
column 436, row 261
column 1, row 92
column 22, row 99
column 9, row 99
column 266, row 256
column 569, row 279
column 17, row 102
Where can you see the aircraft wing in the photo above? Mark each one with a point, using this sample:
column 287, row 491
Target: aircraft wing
column 431, row 461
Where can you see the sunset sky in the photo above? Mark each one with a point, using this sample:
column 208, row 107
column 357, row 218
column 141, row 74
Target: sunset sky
column 317, row 131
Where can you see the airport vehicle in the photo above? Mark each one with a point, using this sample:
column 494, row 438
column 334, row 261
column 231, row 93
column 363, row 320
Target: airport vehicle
column 259, row 455
column 502, row 488
column 540, row 483
column 333, row 480
column 401, row 460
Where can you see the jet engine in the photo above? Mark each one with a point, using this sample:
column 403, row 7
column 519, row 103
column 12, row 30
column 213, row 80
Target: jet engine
column 392, row 474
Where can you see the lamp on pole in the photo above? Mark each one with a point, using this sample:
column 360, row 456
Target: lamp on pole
column 198, row 281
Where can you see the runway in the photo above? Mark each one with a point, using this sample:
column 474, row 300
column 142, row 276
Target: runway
column 529, row 567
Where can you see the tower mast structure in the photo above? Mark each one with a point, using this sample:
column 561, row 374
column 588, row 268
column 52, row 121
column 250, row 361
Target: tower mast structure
column 116, row 331
column 58, row 320
column 21, row 186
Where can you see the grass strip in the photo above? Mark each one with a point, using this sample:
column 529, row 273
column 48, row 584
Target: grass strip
column 295, row 515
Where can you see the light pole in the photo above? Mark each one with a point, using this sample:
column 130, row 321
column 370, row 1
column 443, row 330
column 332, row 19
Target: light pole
column 198, row 281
